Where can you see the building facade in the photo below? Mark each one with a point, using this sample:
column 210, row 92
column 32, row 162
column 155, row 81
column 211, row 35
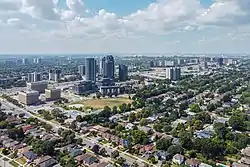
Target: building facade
column 108, row 67
column 81, row 70
column 52, row 94
column 90, row 69
column 38, row 86
column 123, row 72
column 29, row 97
column 173, row 74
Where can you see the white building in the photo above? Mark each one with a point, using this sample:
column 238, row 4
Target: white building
column 173, row 74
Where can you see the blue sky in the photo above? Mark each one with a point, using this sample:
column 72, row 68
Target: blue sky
column 124, row 26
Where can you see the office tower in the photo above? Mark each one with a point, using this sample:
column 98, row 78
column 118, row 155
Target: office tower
column 81, row 70
column 28, row 97
column 220, row 61
column 83, row 87
column 38, row 86
column 123, row 72
column 173, row 74
column 151, row 64
column 108, row 67
column 57, row 75
column 90, row 69
column 25, row 61
column 181, row 61
column 51, row 75
column 36, row 77
column 30, row 77
column 37, row 60
column 52, row 94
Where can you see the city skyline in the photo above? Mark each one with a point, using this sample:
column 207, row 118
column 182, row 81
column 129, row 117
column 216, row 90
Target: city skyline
column 154, row 26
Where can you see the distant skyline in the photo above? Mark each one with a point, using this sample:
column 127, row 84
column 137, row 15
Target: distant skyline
column 124, row 26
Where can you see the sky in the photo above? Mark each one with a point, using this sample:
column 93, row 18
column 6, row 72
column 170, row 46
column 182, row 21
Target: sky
column 124, row 26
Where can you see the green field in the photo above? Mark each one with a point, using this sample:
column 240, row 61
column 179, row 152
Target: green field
column 21, row 160
column 101, row 103
column 13, row 163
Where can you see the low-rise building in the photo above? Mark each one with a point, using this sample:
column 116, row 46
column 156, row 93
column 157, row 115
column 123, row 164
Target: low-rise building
column 29, row 97
column 52, row 94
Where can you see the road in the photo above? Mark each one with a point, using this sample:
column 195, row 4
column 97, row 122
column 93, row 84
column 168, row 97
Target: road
column 90, row 143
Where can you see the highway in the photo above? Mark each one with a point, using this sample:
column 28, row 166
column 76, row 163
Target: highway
column 89, row 143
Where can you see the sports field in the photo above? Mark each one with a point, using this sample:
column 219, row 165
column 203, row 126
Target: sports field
column 101, row 103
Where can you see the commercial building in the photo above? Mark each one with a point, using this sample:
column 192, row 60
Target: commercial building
column 123, row 72
column 90, row 69
column 83, row 87
column 38, row 86
column 173, row 74
column 34, row 77
column 109, row 90
column 220, row 61
column 37, row 60
column 81, row 70
column 57, row 75
column 51, row 75
column 52, row 94
column 108, row 67
column 25, row 61
column 29, row 97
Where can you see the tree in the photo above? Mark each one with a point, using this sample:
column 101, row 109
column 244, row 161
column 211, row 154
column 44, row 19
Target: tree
column 103, row 152
column 79, row 118
column 195, row 108
column 119, row 128
column 237, row 121
column 163, row 144
column 121, row 161
column 226, row 97
column 3, row 124
column 47, row 127
column 167, row 128
column 132, row 117
column 158, row 127
column 174, row 149
column 143, row 122
column 16, row 133
column 220, row 130
column 115, row 154
column 79, row 141
column 115, row 110
column 98, row 95
column 73, row 125
column 5, row 151
column 135, row 164
column 96, row 149
column 139, row 136
column 211, row 107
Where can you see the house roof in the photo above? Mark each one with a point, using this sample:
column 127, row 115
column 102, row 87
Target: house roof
column 103, row 164
column 42, row 159
column 235, row 164
column 245, row 160
column 246, row 151
column 193, row 161
column 30, row 155
column 75, row 152
column 179, row 157
column 27, row 127
column 204, row 165
column 49, row 163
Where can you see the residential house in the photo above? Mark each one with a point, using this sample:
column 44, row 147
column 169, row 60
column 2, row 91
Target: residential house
column 18, row 146
column 45, row 161
column 11, row 144
column 235, row 164
column 27, row 127
column 245, row 160
column 13, row 120
column 147, row 149
column 178, row 159
column 146, row 129
column 129, row 126
column 86, row 159
column 75, row 152
column 30, row 156
column 162, row 155
column 105, row 164
column 246, row 152
column 204, row 165
column 193, row 162
column 203, row 134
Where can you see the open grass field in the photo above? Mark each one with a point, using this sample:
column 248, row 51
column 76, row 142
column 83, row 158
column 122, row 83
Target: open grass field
column 101, row 103
column 21, row 160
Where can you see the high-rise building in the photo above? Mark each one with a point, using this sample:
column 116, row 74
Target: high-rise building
column 81, row 70
column 108, row 67
column 25, row 61
column 37, row 60
column 220, row 61
column 90, row 69
column 173, row 74
column 30, row 77
column 36, row 77
column 51, row 75
column 57, row 75
column 123, row 72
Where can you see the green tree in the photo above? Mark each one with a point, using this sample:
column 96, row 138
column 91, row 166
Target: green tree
column 138, row 136
column 143, row 122
column 167, row 128
column 158, row 127
column 163, row 144
column 195, row 108
column 174, row 149
column 132, row 117
column 114, row 154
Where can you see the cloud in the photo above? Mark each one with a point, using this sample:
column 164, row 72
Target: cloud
column 44, row 9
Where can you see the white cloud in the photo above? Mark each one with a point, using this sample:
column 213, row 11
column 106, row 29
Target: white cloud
column 169, row 22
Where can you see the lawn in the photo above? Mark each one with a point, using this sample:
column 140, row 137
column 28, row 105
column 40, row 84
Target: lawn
column 21, row 160
column 101, row 103
column 13, row 163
